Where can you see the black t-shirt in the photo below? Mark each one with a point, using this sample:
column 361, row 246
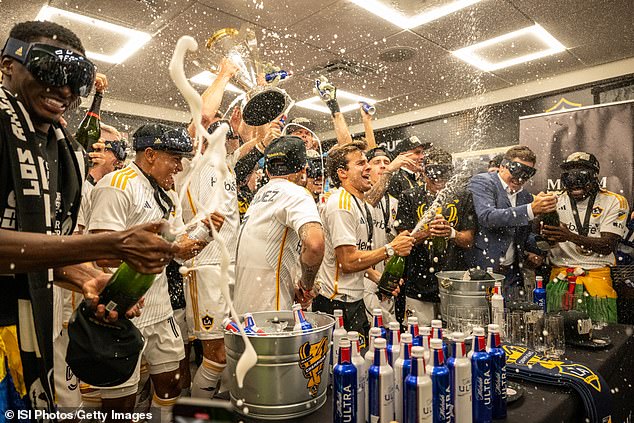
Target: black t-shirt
column 421, row 283
column 402, row 181
column 14, row 287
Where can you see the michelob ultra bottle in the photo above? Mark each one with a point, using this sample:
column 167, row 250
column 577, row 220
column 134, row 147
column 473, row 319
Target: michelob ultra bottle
column 380, row 385
column 401, row 370
column 345, row 386
column 412, row 328
column 377, row 321
column 418, row 391
column 362, row 374
column 481, row 378
column 437, row 333
column 89, row 130
column 393, row 342
column 498, row 372
column 392, row 274
column 460, row 379
column 441, row 386
column 301, row 324
column 337, row 334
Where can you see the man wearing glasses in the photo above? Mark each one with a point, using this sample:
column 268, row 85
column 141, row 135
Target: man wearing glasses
column 457, row 224
column 505, row 211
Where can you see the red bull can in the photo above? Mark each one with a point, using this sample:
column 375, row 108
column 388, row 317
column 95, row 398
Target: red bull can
column 380, row 385
column 418, row 405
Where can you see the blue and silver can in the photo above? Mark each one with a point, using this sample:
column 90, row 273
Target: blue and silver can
column 374, row 334
column 441, row 387
column 344, row 386
column 362, row 374
column 418, row 406
column 381, row 385
column 368, row 108
column 425, row 336
column 412, row 327
column 481, row 378
column 338, row 333
column 498, row 372
column 393, row 342
column 401, row 370
column 282, row 74
column 460, row 380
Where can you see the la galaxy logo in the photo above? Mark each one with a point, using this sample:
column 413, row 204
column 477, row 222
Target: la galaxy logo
column 207, row 322
column 597, row 211
column 311, row 361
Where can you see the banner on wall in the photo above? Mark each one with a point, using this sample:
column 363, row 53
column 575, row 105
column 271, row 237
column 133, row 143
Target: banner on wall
column 606, row 130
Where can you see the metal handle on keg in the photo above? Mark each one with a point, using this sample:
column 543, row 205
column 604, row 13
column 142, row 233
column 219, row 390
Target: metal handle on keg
column 446, row 283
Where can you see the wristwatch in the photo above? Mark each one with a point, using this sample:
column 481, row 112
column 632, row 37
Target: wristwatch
column 389, row 250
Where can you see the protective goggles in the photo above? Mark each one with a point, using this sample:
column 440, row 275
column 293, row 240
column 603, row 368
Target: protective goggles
column 53, row 66
column 118, row 148
column 438, row 172
column 519, row 170
column 578, row 178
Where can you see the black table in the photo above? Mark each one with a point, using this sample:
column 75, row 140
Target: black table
column 552, row 404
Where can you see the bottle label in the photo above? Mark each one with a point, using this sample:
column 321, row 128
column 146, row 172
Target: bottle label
column 93, row 114
column 111, row 306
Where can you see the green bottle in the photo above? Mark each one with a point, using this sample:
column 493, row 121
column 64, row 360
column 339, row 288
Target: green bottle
column 392, row 275
column 438, row 244
column 551, row 219
column 89, row 130
column 125, row 288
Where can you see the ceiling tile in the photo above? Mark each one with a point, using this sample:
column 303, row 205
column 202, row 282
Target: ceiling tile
column 540, row 68
column 482, row 21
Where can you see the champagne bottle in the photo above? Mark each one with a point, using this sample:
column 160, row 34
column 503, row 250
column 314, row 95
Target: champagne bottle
column 89, row 130
column 438, row 244
column 125, row 288
column 392, row 275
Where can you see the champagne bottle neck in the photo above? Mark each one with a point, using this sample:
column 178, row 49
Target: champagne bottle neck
column 95, row 107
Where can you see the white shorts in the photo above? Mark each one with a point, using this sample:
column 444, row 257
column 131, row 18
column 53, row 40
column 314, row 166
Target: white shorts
column 424, row 311
column 180, row 316
column 67, row 392
column 163, row 351
column 206, row 306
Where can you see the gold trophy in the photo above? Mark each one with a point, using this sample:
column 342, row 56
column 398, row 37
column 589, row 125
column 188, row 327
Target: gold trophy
column 261, row 103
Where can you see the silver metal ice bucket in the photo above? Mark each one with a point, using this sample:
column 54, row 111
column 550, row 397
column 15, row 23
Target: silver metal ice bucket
column 467, row 295
column 290, row 379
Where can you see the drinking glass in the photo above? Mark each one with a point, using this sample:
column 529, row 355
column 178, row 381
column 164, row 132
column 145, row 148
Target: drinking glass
column 535, row 334
column 516, row 327
column 554, row 341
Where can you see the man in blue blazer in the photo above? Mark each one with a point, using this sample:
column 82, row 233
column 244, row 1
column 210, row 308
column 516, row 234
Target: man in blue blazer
column 505, row 211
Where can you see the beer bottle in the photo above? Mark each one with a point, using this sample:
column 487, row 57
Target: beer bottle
column 438, row 244
column 89, row 130
column 392, row 275
column 125, row 288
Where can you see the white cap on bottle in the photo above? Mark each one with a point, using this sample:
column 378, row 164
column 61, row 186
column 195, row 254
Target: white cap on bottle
column 457, row 336
column 380, row 343
column 344, row 342
column 337, row 312
column 412, row 320
column 353, row 335
column 418, row 352
column 478, row 331
column 436, row 344
column 406, row 338
column 436, row 323
column 493, row 328
column 425, row 330
column 394, row 326
column 377, row 312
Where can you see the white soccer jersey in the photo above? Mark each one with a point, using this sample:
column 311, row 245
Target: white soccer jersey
column 345, row 223
column 203, row 187
column 609, row 214
column 123, row 199
column 267, row 263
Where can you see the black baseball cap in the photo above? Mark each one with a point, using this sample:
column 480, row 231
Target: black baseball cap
column 163, row 137
column 102, row 353
column 581, row 159
column 285, row 155
column 411, row 143
column 376, row 152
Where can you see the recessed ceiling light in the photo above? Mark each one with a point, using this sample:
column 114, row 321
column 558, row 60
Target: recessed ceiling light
column 347, row 102
column 392, row 15
column 136, row 39
column 552, row 46
column 206, row 78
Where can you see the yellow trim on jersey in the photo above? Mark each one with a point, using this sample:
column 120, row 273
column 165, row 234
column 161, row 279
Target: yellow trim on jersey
column 622, row 201
column 277, row 271
column 344, row 200
column 121, row 177
column 336, row 287
column 191, row 202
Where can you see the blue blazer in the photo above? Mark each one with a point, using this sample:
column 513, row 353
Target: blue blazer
column 499, row 224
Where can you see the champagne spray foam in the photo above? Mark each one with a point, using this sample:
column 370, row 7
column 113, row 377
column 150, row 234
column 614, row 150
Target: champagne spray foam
column 215, row 155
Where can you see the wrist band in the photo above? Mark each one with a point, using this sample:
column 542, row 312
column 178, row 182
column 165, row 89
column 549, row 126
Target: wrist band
column 333, row 105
